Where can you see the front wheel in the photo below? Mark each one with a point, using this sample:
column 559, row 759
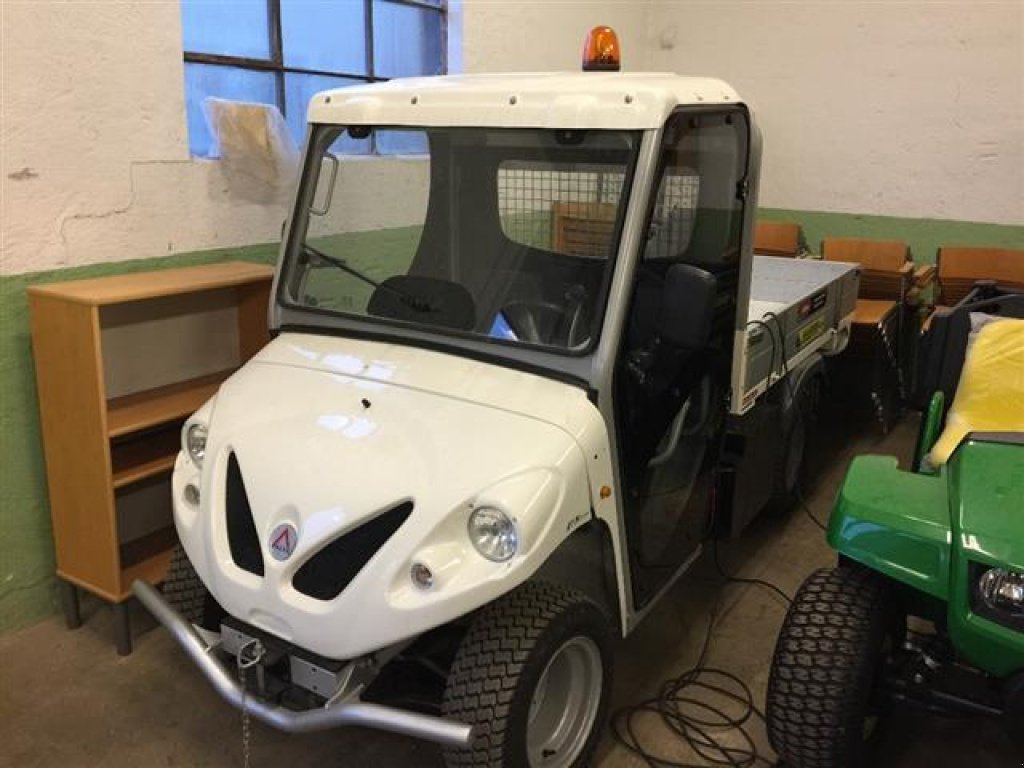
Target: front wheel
column 532, row 676
column 823, row 705
column 185, row 592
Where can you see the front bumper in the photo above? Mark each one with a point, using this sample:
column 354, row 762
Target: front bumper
column 332, row 715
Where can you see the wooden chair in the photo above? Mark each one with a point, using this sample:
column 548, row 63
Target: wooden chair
column 887, row 279
column 777, row 238
column 582, row 229
column 959, row 268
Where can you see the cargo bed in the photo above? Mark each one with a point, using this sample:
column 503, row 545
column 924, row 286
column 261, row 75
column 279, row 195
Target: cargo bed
column 796, row 307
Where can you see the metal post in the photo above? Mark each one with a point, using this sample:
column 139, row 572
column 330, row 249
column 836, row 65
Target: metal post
column 122, row 629
column 69, row 601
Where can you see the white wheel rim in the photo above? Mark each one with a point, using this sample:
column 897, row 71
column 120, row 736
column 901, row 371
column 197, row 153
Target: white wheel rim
column 563, row 708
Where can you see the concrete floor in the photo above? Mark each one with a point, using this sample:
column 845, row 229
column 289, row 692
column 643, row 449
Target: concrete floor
column 66, row 699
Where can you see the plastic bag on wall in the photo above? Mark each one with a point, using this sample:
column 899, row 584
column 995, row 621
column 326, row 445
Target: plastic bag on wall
column 258, row 156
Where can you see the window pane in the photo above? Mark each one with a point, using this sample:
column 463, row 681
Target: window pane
column 319, row 35
column 298, row 90
column 698, row 216
column 238, row 28
column 428, row 251
column 406, row 40
column 401, row 142
column 674, row 212
column 202, row 80
column 570, row 210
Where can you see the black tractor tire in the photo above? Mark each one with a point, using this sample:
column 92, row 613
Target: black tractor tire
column 186, row 593
column 499, row 665
column 822, row 708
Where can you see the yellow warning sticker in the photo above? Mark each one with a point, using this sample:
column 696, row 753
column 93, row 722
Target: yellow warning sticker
column 811, row 331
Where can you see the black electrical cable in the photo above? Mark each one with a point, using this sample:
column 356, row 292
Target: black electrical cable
column 807, row 509
column 703, row 724
column 785, row 372
column 700, row 723
column 706, row 726
column 742, row 580
column 782, row 352
column 771, row 338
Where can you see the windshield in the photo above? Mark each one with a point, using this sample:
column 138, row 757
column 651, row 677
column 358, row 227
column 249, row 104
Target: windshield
column 507, row 235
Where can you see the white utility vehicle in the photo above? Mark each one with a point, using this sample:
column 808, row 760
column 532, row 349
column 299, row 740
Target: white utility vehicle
column 511, row 391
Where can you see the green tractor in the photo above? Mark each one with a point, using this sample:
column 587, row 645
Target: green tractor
column 926, row 604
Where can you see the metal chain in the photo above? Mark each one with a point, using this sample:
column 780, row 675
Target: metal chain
column 249, row 655
column 246, row 736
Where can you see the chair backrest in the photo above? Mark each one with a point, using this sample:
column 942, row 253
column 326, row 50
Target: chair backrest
column 777, row 238
column 582, row 229
column 883, row 263
column 959, row 268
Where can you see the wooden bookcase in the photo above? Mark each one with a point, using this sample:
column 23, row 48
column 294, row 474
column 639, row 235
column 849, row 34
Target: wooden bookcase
column 121, row 362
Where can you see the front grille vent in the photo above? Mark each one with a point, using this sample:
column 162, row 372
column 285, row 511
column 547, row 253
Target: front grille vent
column 326, row 574
column 242, row 536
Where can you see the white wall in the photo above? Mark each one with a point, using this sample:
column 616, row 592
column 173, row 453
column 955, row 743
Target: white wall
column 93, row 145
column 95, row 154
column 899, row 108
column 545, row 35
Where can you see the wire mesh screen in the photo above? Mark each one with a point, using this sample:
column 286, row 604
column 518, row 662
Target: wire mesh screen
column 674, row 213
column 566, row 210
column 573, row 211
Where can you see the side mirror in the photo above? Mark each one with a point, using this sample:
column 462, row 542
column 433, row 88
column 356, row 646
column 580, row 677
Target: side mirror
column 687, row 306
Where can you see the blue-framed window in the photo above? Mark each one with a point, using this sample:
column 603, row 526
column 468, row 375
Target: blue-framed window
column 283, row 51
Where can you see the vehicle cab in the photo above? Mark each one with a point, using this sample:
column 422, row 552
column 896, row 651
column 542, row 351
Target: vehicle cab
column 495, row 397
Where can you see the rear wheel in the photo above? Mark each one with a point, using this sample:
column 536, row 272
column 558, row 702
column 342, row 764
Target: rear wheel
column 532, row 676
column 823, row 707
column 791, row 468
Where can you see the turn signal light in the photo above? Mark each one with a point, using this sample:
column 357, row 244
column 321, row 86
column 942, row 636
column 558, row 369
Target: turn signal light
column 601, row 51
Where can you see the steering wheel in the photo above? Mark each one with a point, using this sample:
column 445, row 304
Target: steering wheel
column 548, row 323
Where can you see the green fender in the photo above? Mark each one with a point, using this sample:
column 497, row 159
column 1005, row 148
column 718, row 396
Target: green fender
column 895, row 522
column 986, row 478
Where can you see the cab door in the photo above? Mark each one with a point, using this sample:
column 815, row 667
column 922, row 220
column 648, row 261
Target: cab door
column 670, row 395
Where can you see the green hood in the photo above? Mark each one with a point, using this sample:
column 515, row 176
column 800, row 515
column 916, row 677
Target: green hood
column 986, row 490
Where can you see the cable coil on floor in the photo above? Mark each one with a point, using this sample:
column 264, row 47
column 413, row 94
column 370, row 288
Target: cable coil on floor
column 696, row 706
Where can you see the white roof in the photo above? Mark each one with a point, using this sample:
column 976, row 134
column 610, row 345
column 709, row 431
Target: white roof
column 612, row 100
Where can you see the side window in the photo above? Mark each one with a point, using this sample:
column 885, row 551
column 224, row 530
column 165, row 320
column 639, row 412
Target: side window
column 675, row 209
column 282, row 52
column 698, row 214
column 565, row 210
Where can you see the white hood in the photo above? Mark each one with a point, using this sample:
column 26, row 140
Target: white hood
column 376, row 363
column 329, row 433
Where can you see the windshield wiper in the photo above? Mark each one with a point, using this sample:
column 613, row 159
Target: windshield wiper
column 341, row 264
column 415, row 303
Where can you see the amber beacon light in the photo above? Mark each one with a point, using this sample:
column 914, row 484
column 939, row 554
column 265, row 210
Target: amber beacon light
column 601, row 51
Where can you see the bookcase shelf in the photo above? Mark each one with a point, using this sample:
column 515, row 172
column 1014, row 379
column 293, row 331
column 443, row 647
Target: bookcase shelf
column 120, row 363
column 145, row 456
column 131, row 413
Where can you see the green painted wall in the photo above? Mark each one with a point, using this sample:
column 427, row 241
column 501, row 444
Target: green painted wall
column 924, row 236
column 27, row 587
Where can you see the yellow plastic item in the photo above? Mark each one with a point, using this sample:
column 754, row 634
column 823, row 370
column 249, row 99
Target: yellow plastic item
column 990, row 396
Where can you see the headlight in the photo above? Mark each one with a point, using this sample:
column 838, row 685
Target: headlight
column 998, row 595
column 1002, row 590
column 195, row 443
column 493, row 534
